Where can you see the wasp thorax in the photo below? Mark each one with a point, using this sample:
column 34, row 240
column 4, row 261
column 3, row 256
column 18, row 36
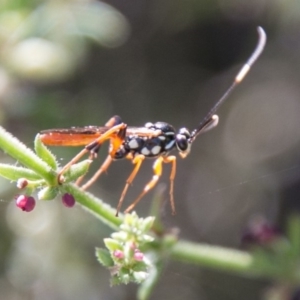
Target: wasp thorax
column 149, row 125
column 120, row 153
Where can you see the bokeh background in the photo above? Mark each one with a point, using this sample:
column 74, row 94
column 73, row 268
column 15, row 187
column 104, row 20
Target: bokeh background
column 78, row 62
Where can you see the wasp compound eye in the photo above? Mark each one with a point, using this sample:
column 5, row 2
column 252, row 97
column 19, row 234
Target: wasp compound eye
column 184, row 131
column 182, row 139
column 181, row 142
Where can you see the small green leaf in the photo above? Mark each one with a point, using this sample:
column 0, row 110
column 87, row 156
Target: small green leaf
column 124, row 275
column 14, row 173
column 140, row 267
column 77, row 170
column 120, row 236
column 115, row 280
column 44, row 153
column 48, row 193
column 112, row 244
column 147, row 224
column 145, row 238
column 140, row 276
column 104, row 257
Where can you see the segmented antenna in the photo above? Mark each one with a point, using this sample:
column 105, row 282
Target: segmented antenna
column 262, row 38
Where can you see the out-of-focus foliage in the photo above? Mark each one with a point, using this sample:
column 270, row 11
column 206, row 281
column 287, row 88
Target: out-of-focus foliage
column 47, row 40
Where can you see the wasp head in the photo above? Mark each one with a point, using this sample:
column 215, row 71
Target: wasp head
column 182, row 141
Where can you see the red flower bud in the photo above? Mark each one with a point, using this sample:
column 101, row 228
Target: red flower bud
column 26, row 203
column 68, row 200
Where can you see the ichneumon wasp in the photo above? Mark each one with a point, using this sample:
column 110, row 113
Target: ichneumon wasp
column 153, row 140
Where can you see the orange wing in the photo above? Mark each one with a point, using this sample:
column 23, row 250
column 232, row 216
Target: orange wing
column 82, row 136
column 74, row 136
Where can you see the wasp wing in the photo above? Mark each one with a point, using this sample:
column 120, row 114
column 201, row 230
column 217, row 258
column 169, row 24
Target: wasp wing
column 82, row 136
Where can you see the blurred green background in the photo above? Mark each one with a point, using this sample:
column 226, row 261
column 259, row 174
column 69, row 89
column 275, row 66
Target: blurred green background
column 77, row 62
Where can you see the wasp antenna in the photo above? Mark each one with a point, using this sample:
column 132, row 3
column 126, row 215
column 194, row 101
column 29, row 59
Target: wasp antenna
column 208, row 120
column 258, row 50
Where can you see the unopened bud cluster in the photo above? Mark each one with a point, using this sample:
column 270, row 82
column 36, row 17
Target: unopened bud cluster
column 128, row 263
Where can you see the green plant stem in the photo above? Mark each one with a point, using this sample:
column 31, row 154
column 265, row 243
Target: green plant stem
column 213, row 257
column 25, row 156
column 233, row 261
column 95, row 206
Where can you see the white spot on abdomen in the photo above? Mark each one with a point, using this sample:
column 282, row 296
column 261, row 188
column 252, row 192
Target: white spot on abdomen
column 155, row 150
column 145, row 151
column 133, row 144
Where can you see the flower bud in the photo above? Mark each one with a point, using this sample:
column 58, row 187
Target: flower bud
column 118, row 254
column 22, row 183
column 26, row 203
column 68, row 200
column 138, row 255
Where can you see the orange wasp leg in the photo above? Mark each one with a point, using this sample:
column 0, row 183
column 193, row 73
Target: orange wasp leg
column 172, row 159
column 102, row 169
column 105, row 136
column 157, row 168
column 137, row 160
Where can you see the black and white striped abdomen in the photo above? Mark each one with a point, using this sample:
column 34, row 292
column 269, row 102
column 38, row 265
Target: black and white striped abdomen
column 150, row 147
